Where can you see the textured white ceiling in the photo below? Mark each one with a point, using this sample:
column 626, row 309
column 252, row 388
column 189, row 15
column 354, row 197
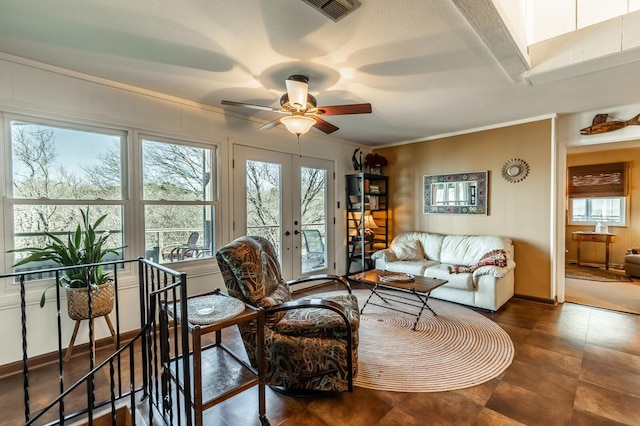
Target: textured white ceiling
column 420, row 64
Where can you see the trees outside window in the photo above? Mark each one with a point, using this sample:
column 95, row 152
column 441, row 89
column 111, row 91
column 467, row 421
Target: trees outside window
column 52, row 178
column 178, row 193
column 54, row 170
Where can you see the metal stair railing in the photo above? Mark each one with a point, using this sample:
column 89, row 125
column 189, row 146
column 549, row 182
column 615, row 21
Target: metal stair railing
column 156, row 284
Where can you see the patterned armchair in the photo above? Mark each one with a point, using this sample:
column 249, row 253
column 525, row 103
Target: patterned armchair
column 310, row 344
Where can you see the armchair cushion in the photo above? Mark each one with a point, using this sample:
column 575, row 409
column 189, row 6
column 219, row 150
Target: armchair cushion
column 316, row 322
column 307, row 344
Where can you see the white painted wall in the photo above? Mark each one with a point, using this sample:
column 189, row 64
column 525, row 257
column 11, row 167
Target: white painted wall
column 39, row 90
column 568, row 127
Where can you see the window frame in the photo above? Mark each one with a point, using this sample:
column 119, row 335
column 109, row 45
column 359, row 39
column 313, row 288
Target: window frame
column 214, row 196
column 624, row 212
column 131, row 189
column 10, row 201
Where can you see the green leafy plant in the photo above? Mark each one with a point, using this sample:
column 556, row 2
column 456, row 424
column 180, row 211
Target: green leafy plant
column 82, row 247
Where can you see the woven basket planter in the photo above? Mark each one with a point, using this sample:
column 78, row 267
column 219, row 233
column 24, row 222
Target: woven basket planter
column 78, row 301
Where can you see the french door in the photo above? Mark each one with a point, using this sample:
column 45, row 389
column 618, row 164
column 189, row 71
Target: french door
column 287, row 199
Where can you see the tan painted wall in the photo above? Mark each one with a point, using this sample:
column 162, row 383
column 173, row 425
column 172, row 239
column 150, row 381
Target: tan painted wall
column 626, row 237
column 521, row 211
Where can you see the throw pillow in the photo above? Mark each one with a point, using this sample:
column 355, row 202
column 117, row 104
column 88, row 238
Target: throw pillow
column 493, row 258
column 408, row 250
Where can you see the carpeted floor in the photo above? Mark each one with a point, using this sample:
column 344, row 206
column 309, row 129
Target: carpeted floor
column 594, row 274
column 617, row 294
column 456, row 349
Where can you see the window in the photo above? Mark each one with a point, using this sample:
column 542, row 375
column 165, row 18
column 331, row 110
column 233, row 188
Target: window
column 178, row 194
column 590, row 211
column 598, row 193
column 55, row 171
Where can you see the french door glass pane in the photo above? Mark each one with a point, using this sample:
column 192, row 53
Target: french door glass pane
column 264, row 201
column 314, row 222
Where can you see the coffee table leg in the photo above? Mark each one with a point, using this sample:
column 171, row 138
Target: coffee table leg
column 422, row 300
column 373, row 291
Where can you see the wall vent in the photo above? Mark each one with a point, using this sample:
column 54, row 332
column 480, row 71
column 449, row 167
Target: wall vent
column 333, row 9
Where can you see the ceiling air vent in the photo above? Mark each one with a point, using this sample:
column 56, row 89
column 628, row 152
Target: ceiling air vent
column 333, row 9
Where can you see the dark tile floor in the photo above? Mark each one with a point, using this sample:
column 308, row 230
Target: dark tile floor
column 573, row 365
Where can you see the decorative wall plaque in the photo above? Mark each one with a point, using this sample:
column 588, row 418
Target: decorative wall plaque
column 515, row 170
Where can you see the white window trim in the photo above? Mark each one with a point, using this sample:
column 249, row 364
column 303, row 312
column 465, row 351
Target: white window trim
column 133, row 216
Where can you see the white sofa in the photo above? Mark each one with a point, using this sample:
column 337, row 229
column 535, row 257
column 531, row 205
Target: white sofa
column 432, row 255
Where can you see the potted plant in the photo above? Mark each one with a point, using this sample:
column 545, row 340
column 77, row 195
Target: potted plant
column 81, row 248
column 375, row 162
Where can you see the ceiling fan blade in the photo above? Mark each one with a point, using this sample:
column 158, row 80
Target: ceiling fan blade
column 324, row 126
column 297, row 89
column 269, row 125
column 344, row 109
column 252, row 106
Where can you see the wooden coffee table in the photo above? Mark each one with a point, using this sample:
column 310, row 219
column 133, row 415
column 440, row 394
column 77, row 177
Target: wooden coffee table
column 419, row 288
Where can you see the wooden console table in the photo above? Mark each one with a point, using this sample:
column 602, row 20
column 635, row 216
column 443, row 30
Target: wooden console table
column 594, row 237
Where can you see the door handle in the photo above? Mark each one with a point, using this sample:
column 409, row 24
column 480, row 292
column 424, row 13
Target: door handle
column 287, row 233
column 296, row 232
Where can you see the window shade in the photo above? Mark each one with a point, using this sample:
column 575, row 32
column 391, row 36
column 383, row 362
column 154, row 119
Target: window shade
column 598, row 180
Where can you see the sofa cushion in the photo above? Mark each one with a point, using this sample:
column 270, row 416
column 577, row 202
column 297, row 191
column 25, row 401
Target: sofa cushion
column 462, row 281
column 431, row 243
column 468, row 249
column 407, row 250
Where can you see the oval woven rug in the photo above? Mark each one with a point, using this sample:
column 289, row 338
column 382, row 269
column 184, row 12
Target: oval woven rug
column 456, row 349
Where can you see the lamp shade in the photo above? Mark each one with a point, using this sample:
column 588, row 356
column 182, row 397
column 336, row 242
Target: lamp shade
column 369, row 223
column 298, row 124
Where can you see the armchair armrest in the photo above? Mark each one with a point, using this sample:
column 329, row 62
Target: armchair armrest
column 342, row 325
column 309, row 304
column 323, row 277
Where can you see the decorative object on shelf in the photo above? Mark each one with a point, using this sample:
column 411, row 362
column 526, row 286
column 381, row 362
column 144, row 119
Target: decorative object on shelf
column 515, row 170
column 375, row 163
column 601, row 125
column 602, row 228
column 456, row 193
column 357, row 165
column 369, row 226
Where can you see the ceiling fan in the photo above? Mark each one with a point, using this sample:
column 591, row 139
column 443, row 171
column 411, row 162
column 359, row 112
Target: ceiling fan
column 302, row 110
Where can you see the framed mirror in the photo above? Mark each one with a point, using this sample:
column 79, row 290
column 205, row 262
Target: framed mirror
column 456, row 193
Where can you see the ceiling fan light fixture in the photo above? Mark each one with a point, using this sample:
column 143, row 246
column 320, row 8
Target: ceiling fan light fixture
column 297, row 89
column 298, row 124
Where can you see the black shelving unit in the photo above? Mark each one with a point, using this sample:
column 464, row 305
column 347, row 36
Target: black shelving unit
column 367, row 200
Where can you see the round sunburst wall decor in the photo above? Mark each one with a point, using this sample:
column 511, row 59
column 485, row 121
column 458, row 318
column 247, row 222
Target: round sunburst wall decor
column 515, row 170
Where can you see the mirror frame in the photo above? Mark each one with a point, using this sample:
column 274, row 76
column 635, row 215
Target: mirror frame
column 515, row 170
column 482, row 193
